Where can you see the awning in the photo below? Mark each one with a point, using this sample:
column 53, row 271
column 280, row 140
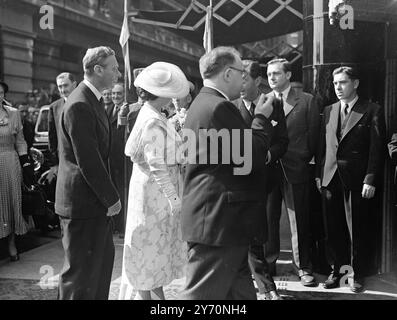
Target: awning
column 234, row 21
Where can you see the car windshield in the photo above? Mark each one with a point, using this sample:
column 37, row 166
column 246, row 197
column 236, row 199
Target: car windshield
column 42, row 121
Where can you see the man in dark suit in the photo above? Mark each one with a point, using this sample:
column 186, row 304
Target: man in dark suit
column 222, row 206
column 291, row 175
column 278, row 146
column 28, row 127
column 107, row 99
column 86, row 198
column 129, row 112
column 349, row 172
column 117, row 157
column 66, row 84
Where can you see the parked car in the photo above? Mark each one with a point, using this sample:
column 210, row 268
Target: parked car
column 43, row 162
column 41, row 130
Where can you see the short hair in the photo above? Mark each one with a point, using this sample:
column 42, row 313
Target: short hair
column 349, row 71
column 145, row 95
column 213, row 62
column 119, row 84
column 96, row 56
column 284, row 62
column 66, row 75
column 253, row 68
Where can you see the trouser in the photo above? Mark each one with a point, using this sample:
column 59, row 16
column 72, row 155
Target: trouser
column 296, row 199
column 89, row 256
column 348, row 227
column 260, row 269
column 218, row 273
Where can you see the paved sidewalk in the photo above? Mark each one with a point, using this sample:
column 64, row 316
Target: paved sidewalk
column 35, row 277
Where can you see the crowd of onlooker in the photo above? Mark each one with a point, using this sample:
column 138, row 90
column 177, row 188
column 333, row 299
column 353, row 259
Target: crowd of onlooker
column 34, row 100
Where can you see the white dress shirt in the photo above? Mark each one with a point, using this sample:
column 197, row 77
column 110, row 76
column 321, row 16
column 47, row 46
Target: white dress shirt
column 349, row 108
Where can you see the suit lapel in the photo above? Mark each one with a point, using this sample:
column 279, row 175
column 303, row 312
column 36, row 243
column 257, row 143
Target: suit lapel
column 292, row 101
column 112, row 117
column 109, row 111
column 333, row 119
column 356, row 114
column 98, row 108
column 245, row 113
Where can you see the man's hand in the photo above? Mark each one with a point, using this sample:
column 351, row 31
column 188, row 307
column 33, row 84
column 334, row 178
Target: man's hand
column 368, row 191
column 124, row 110
column 265, row 105
column 114, row 209
column 318, row 184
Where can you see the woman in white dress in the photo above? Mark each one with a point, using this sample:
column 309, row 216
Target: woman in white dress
column 154, row 254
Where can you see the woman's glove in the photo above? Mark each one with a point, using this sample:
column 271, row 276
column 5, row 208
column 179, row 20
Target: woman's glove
column 27, row 170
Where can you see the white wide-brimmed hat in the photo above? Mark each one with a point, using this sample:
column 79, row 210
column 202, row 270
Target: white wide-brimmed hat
column 164, row 80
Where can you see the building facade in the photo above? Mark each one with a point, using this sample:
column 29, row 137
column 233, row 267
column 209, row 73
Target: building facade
column 32, row 56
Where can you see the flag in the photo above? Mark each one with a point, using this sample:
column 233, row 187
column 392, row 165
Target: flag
column 208, row 43
column 124, row 37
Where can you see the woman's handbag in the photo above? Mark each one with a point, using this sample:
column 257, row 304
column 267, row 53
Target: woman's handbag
column 33, row 201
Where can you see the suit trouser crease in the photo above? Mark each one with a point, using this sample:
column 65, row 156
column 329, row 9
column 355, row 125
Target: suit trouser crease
column 296, row 201
column 347, row 226
column 218, row 273
column 89, row 258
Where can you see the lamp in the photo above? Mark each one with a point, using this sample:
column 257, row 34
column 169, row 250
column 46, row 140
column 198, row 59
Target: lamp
column 335, row 7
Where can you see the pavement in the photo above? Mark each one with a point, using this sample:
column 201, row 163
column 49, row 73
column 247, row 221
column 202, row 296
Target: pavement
column 35, row 275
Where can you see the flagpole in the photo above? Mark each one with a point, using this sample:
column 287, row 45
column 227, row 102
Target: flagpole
column 125, row 69
column 212, row 26
column 208, row 42
column 125, row 162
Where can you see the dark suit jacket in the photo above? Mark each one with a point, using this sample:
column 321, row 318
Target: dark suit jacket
column 53, row 127
column 279, row 141
column 360, row 152
column 28, row 133
column 84, row 188
column 303, row 126
column 219, row 207
column 117, row 156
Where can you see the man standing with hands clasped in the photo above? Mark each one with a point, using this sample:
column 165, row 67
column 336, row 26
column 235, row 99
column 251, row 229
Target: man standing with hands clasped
column 85, row 195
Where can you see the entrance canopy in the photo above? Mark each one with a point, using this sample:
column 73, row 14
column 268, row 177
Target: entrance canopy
column 234, row 21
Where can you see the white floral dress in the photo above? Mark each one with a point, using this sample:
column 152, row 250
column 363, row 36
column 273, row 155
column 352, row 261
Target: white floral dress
column 154, row 254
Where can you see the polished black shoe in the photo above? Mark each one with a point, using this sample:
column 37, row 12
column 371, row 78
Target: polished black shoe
column 308, row 280
column 273, row 295
column 14, row 258
column 357, row 285
column 332, row 282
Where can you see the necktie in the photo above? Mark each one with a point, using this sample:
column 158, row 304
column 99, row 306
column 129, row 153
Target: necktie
column 345, row 112
column 116, row 111
column 252, row 109
column 281, row 99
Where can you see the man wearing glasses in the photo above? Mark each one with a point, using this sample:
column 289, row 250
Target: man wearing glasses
column 222, row 212
column 86, row 198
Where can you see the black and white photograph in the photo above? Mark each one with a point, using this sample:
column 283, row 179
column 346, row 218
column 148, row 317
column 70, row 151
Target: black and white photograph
column 194, row 151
